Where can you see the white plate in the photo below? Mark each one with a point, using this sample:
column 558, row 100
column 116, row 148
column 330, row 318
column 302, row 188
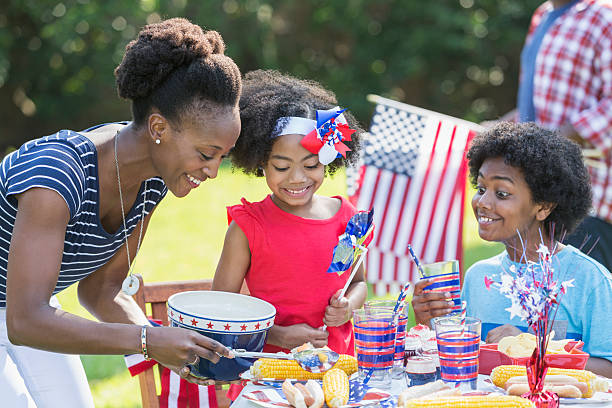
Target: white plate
column 601, row 399
column 272, row 397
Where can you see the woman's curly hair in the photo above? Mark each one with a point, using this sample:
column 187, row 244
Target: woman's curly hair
column 268, row 95
column 177, row 68
column 551, row 164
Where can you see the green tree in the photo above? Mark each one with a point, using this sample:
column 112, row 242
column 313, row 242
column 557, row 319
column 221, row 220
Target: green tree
column 457, row 57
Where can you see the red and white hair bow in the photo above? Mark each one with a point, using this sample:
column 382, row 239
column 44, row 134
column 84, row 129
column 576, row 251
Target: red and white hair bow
column 323, row 136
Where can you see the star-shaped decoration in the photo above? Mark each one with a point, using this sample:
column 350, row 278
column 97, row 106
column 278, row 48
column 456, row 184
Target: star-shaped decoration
column 567, row 284
column 194, row 322
column 243, row 327
column 267, row 323
column 227, row 327
column 210, row 325
column 181, row 318
column 488, row 282
column 515, row 310
column 257, row 326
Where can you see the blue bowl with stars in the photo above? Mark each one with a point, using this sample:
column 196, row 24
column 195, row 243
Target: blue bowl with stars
column 234, row 320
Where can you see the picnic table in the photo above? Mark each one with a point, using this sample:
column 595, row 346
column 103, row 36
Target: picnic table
column 399, row 384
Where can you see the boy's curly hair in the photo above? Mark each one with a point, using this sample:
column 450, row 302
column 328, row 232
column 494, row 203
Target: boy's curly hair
column 268, row 95
column 551, row 164
column 178, row 68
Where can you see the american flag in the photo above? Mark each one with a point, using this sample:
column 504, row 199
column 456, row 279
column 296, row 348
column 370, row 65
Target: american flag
column 175, row 392
column 413, row 173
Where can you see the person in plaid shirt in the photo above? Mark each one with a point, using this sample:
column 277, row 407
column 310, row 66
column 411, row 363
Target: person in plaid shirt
column 566, row 84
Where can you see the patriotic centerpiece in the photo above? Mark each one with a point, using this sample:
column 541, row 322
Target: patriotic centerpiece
column 535, row 296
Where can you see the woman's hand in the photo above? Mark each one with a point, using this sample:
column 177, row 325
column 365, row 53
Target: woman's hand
column 185, row 373
column 295, row 335
column 498, row 333
column 175, row 348
column 428, row 304
column 339, row 310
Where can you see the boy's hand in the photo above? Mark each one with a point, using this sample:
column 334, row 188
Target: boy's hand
column 338, row 311
column 428, row 304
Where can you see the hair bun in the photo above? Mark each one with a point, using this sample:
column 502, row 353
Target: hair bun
column 160, row 49
column 216, row 41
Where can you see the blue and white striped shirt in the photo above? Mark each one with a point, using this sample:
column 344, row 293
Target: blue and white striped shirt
column 67, row 163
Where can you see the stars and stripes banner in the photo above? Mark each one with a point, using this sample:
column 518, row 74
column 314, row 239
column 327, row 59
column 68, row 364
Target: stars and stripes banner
column 413, row 173
column 175, row 392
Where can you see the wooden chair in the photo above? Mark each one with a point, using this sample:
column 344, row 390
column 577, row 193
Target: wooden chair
column 156, row 294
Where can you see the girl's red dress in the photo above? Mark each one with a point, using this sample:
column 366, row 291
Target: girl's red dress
column 289, row 260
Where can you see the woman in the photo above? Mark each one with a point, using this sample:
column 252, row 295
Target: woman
column 531, row 187
column 75, row 205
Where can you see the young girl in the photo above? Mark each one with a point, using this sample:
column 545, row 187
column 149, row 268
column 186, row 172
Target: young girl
column 283, row 245
column 532, row 181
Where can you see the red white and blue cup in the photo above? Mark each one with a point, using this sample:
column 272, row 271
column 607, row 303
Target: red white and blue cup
column 400, row 333
column 458, row 349
column 446, row 278
column 375, row 345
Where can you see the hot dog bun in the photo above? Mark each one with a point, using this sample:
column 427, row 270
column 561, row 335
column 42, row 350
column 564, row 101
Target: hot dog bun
column 563, row 391
column 308, row 399
column 293, row 394
column 420, row 391
column 316, row 392
column 550, row 381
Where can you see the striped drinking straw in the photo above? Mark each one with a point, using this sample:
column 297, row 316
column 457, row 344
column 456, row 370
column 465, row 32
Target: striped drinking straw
column 416, row 261
column 463, row 313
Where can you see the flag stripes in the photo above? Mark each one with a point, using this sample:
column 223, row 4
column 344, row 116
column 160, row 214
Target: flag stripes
column 420, row 203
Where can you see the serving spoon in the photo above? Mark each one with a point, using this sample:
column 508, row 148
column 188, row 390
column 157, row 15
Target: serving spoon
column 312, row 360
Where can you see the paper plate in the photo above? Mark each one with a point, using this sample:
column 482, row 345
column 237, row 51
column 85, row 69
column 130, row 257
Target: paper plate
column 598, row 399
column 272, row 396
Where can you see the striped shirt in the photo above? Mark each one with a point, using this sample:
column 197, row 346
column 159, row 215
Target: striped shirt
column 67, row 163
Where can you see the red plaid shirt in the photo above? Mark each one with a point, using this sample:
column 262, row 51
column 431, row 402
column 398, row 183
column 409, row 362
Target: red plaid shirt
column 573, row 83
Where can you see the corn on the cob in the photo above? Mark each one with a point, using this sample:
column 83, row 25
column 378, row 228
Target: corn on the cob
column 281, row 369
column 502, row 373
column 335, row 388
column 500, row 401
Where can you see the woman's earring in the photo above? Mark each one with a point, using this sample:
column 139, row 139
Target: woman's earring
column 157, row 141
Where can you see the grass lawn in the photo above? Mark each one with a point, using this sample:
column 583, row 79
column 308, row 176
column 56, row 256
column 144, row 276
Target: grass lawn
column 184, row 241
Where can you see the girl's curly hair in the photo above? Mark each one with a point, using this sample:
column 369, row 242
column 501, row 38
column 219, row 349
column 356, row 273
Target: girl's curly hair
column 178, row 68
column 551, row 164
column 268, row 95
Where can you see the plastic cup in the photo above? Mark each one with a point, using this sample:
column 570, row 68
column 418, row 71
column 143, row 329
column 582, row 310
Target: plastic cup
column 446, row 278
column 375, row 345
column 458, row 350
column 420, row 370
column 400, row 333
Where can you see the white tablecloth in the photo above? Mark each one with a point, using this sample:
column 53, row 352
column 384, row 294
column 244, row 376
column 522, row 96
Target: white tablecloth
column 399, row 385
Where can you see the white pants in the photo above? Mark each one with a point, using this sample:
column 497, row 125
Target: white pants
column 36, row 378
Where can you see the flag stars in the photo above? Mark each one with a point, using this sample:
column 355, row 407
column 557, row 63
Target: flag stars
column 210, row 325
column 227, row 327
column 243, row 327
column 194, row 322
column 257, row 326
column 181, row 318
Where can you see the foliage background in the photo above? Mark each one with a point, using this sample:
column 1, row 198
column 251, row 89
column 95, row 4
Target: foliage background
column 459, row 57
